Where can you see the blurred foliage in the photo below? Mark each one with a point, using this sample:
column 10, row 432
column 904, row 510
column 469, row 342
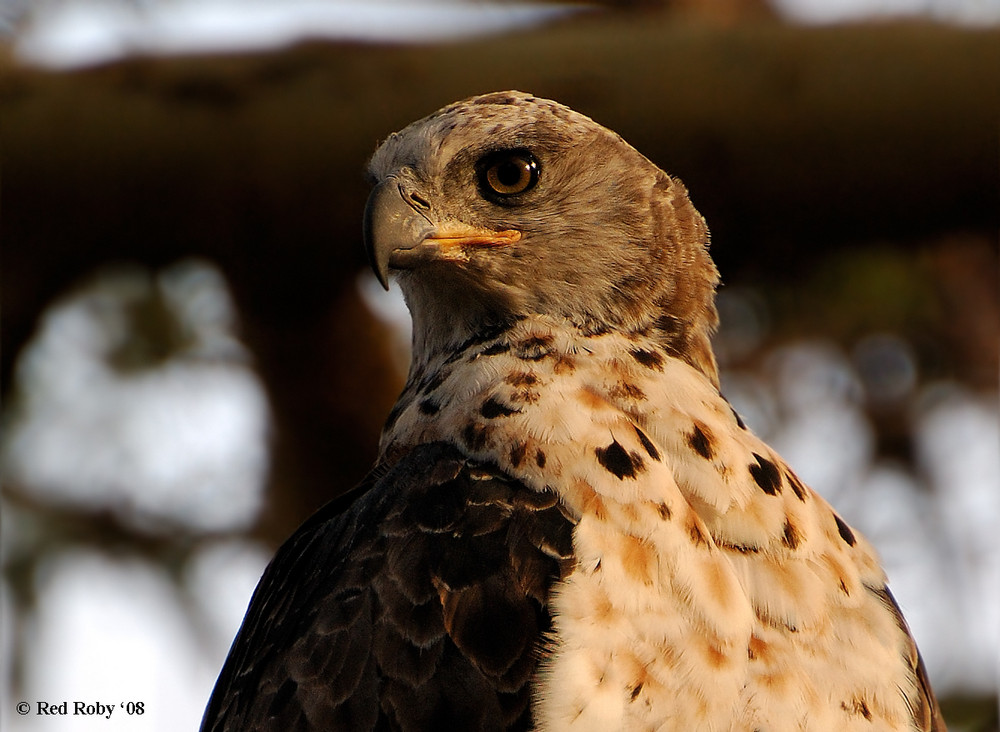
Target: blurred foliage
column 942, row 296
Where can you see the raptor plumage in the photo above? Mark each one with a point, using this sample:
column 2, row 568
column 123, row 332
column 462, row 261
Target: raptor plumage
column 568, row 527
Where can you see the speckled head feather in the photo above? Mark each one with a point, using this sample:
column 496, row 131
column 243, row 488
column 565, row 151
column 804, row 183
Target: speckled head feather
column 606, row 238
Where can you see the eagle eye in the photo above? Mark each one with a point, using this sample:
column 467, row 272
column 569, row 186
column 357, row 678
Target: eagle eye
column 507, row 173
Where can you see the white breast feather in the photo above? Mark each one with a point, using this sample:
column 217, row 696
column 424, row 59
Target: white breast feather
column 699, row 600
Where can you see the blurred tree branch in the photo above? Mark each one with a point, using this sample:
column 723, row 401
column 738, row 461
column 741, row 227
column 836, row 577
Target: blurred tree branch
column 793, row 141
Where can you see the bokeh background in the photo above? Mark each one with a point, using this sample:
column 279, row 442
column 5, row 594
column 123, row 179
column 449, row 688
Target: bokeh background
column 195, row 357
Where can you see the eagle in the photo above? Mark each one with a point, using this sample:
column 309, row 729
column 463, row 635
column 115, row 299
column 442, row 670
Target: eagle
column 567, row 527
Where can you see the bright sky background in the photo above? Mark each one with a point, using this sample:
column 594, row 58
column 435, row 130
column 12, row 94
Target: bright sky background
column 74, row 32
column 193, row 431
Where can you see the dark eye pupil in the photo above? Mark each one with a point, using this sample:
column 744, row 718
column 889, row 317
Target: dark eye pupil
column 509, row 173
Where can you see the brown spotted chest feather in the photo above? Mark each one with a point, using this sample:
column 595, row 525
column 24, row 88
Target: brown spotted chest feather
column 711, row 587
column 567, row 527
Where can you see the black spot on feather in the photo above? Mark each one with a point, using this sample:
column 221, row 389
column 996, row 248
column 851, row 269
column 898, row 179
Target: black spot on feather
column 797, row 488
column 428, row 406
column 540, row 459
column 619, row 462
column 492, row 409
column 535, row 348
column 488, row 333
column 647, row 444
column 649, row 359
column 701, row 441
column 736, row 415
column 766, row 475
column 496, row 349
column 845, row 531
column 667, row 324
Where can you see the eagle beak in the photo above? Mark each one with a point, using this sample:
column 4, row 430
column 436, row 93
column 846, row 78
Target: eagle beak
column 391, row 224
column 400, row 232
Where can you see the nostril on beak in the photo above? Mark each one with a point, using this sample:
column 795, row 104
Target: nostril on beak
column 419, row 201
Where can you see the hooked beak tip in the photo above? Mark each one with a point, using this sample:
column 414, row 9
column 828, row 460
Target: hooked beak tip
column 390, row 224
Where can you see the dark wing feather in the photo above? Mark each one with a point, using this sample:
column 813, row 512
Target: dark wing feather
column 418, row 603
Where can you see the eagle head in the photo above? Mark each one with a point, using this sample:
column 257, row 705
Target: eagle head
column 505, row 206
